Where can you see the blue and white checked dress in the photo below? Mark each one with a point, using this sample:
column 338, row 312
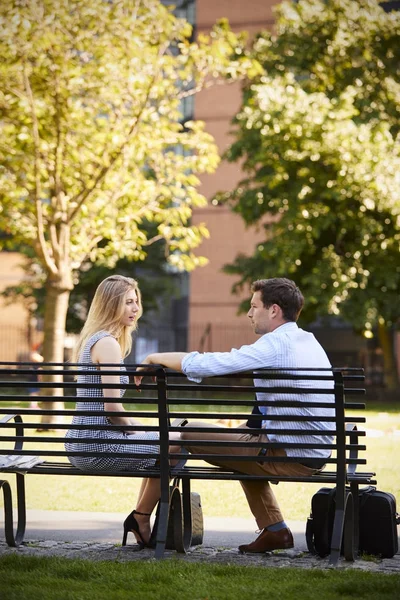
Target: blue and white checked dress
column 110, row 462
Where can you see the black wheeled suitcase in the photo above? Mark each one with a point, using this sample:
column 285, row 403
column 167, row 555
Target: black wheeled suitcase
column 377, row 524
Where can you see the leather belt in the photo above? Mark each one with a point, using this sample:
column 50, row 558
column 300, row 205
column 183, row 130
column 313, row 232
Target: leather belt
column 311, row 463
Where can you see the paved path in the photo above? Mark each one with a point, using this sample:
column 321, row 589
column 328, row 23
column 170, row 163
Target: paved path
column 97, row 536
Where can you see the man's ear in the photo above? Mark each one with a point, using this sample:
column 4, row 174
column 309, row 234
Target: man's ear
column 277, row 311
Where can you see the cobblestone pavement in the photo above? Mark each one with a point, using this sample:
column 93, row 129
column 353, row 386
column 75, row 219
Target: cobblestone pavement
column 221, row 555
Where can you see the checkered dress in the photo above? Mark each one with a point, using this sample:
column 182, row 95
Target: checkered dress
column 115, row 437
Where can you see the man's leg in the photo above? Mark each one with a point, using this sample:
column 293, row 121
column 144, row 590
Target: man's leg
column 259, row 495
column 262, row 502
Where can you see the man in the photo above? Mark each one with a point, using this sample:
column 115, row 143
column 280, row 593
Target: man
column 275, row 307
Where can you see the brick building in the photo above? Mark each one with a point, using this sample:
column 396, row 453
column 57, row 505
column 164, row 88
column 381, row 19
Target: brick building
column 213, row 320
column 18, row 332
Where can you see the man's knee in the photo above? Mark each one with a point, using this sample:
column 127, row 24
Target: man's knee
column 188, row 436
column 191, row 435
column 175, row 449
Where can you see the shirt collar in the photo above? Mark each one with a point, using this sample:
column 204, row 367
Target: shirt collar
column 290, row 325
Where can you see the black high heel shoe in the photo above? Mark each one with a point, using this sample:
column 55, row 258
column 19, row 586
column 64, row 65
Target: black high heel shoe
column 130, row 524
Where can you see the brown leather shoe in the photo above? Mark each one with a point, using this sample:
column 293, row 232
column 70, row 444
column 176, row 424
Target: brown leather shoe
column 269, row 540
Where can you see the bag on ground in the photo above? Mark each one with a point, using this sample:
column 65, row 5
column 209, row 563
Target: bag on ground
column 196, row 517
column 377, row 525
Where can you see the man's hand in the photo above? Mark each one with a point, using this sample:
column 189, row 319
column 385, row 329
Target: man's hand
column 171, row 360
column 147, row 361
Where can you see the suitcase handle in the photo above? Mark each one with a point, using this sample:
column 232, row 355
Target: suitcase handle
column 310, row 536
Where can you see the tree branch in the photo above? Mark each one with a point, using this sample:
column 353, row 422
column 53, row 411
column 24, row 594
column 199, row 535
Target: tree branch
column 205, row 85
column 155, row 238
column 81, row 198
column 59, row 149
column 54, row 241
column 94, row 243
column 37, row 189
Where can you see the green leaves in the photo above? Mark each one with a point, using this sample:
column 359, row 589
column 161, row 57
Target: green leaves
column 318, row 137
column 97, row 158
column 92, row 145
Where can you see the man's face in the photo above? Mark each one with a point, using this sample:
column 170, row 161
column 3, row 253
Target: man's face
column 262, row 318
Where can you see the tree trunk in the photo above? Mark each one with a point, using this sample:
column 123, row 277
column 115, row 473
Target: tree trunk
column 56, row 306
column 386, row 343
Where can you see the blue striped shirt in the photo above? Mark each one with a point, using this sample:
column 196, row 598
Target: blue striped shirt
column 288, row 346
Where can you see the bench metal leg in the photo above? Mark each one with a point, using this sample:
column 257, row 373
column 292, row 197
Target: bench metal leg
column 162, row 529
column 343, row 528
column 348, row 534
column 337, row 533
column 356, row 503
column 8, row 511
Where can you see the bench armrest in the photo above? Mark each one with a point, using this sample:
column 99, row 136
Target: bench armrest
column 19, row 429
column 352, row 432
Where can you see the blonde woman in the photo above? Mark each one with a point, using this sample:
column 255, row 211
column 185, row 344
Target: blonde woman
column 107, row 338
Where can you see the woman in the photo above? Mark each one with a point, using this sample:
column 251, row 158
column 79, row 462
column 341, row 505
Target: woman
column 106, row 338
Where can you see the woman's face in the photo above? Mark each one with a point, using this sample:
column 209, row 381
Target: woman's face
column 131, row 309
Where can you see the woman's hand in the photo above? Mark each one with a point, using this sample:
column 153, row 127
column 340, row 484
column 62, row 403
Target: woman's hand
column 147, row 361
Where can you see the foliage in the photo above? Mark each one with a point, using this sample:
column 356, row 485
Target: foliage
column 94, row 146
column 84, row 88
column 318, row 137
column 157, row 284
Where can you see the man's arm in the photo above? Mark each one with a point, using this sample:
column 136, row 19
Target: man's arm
column 171, row 360
column 197, row 365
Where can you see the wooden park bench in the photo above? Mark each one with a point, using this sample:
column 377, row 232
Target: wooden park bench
column 165, row 398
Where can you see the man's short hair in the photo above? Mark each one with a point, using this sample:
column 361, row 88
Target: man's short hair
column 283, row 292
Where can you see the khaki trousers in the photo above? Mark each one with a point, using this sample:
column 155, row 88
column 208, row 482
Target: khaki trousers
column 259, row 495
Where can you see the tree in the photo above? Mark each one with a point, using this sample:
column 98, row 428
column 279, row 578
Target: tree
column 318, row 137
column 93, row 147
column 157, row 284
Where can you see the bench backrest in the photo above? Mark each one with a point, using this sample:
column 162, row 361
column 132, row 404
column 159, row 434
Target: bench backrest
column 303, row 406
column 314, row 400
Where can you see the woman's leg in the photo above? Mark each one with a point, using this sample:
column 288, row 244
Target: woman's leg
column 149, row 495
column 142, row 487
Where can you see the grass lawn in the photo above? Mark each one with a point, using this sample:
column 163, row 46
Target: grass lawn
column 34, row 578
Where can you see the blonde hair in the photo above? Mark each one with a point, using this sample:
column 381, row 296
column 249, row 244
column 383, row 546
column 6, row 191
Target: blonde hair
column 106, row 312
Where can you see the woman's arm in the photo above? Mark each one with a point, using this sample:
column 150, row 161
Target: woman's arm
column 108, row 350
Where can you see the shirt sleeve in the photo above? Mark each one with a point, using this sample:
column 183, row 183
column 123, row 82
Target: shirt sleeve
column 261, row 354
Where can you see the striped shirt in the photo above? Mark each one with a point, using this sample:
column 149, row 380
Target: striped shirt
column 288, row 346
